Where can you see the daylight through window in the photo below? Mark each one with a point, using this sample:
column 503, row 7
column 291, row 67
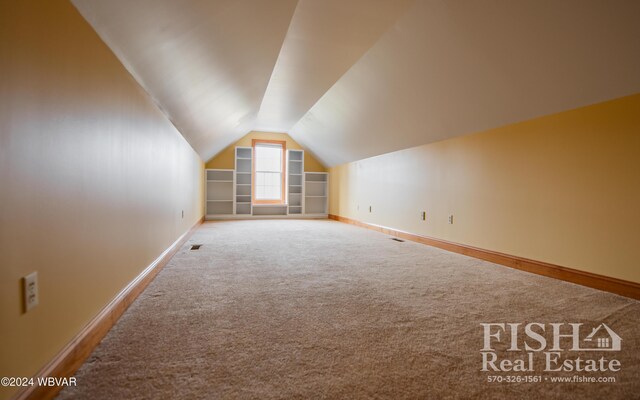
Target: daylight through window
column 269, row 162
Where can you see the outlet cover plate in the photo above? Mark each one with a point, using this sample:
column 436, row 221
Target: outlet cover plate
column 31, row 296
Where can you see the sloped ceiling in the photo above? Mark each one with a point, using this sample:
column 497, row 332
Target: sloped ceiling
column 206, row 63
column 325, row 39
column 350, row 79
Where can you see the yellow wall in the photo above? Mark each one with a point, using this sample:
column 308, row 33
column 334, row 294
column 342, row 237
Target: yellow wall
column 225, row 159
column 93, row 179
column 564, row 189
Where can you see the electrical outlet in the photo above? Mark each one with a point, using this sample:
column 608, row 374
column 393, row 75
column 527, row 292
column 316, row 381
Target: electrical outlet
column 451, row 219
column 424, row 215
column 31, row 297
column 369, row 208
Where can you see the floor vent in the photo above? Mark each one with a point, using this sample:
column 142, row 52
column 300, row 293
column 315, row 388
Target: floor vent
column 397, row 240
column 196, row 247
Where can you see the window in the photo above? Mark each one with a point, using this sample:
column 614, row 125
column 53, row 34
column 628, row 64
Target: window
column 268, row 171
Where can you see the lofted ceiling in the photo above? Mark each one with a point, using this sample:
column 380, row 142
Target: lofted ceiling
column 206, row 63
column 350, row 79
column 324, row 40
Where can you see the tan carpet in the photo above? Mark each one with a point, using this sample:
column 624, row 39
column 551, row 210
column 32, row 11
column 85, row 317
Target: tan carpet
column 319, row 309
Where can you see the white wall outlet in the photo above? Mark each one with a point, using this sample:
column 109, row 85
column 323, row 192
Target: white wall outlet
column 31, row 296
column 451, row 219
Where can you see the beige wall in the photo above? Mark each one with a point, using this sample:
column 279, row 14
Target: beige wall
column 93, row 179
column 563, row 189
column 226, row 158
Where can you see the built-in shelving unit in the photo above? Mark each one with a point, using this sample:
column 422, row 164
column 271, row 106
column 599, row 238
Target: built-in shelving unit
column 219, row 192
column 229, row 192
column 316, row 193
column 295, row 188
column 244, row 167
column 270, row 210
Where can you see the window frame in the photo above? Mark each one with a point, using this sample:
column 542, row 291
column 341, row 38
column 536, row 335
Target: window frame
column 282, row 143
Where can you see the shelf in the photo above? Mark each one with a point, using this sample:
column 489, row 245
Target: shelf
column 319, row 197
column 243, row 173
column 243, row 184
column 219, row 175
column 316, row 185
column 243, row 165
column 295, row 174
column 219, row 191
column 295, row 163
column 243, row 179
column 243, row 153
column 295, row 180
column 243, row 190
column 243, row 202
column 316, row 177
column 296, row 155
column 243, row 208
column 219, row 207
column 269, row 209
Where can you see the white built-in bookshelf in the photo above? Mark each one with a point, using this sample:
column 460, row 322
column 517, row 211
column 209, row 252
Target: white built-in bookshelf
column 243, row 180
column 316, row 193
column 219, row 191
column 229, row 191
column 295, row 168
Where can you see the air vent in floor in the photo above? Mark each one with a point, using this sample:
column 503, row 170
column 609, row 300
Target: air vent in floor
column 397, row 240
column 196, row 246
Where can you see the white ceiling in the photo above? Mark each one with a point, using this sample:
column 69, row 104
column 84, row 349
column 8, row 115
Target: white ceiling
column 206, row 63
column 325, row 39
column 350, row 79
column 448, row 68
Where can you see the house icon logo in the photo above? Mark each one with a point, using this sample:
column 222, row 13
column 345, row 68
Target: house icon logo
column 603, row 338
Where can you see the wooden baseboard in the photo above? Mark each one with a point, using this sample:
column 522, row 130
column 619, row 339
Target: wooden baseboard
column 71, row 357
column 601, row 282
